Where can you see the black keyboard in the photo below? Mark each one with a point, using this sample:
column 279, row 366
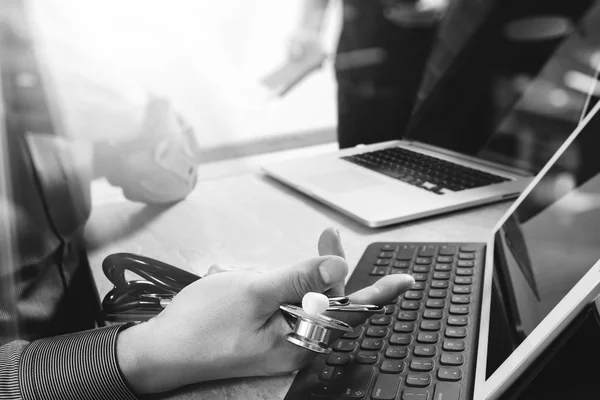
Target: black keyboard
column 426, row 172
column 424, row 346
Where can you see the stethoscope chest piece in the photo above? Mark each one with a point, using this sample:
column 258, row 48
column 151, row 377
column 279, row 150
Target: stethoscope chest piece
column 313, row 331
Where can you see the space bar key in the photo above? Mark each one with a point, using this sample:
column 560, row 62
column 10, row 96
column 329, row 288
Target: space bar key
column 447, row 391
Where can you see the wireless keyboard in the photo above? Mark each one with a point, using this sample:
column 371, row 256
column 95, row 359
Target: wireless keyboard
column 424, row 346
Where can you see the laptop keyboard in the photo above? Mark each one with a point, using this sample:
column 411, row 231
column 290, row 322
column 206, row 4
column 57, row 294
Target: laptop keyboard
column 426, row 172
column 423, row 347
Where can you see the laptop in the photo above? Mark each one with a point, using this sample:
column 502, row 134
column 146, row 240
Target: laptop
column 481, row 317
column 398, row 181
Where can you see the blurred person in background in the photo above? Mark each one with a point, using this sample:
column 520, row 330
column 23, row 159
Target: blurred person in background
column 381, row 56
column 53, row 344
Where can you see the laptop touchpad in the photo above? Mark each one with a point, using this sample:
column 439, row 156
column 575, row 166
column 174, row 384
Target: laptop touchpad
column 343, row 181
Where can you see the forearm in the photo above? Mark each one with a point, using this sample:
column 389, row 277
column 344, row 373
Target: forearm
column 81, row 365
column 313, row 14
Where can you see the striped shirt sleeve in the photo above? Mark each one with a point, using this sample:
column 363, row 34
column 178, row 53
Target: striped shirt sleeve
column 79, row 366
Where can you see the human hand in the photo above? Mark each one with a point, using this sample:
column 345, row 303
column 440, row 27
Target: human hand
column 305, row 44
column 229, row 324
column 159, row 165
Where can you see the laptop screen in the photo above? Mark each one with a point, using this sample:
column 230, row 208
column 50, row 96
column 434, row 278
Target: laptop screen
column 522, row 86
column 546, row 245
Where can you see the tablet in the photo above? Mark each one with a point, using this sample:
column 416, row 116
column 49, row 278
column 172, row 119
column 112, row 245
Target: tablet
column 545, row 254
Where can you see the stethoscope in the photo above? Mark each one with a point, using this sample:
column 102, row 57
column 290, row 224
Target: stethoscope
column 140, row 300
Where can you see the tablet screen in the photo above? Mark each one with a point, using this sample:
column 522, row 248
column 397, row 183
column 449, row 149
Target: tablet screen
column 546, row 246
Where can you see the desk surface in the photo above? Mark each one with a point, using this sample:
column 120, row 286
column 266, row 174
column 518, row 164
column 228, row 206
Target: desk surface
column 251, row 220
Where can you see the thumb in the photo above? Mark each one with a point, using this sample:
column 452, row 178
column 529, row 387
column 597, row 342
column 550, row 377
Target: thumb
column 289, row 285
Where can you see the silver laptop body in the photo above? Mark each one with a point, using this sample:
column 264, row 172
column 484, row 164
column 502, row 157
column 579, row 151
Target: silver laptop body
column 377, row 200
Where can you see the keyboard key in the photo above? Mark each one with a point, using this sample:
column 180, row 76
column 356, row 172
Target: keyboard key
column 465, row 263
column 466, row 256
column 389, row 310
column 445, row 259
column 433, row 314
column 410, row 305
column 457, row 333
column 420, row 277
column 406, row 316
column 377, row 331
column 383, row 320
column 461, row 289
column 431, row 325
column 357, row 381
column 435, row 303
column 345, row 345
column 398, row 271
column 463, row 280
column 446, row 391
column 404, row 327
column 385, row 255
column 453, row 345
column 422, row 269
column 371, row 344
column 378, row 271
column 439, row 284
column 327, row 390
column 326, row 374
column 459, row 310
column 411, row 295
column 428, row 337
column 388, row 247
column 418, row 286
column 423, row 261
column 401, row 264
column 382, row 263
column 353, row 334
column 421, row 365
column 396, row 352
column 451, row 374
column 464, row 272
column 392, row 366
column 339, row 359
column 418, row 380
column 400, row 339
column 468, row 249
column 461, row 299
column 446, row 250
column 424, row 350
column 406, row 253
column 443, row 267
column 438, row 293
column 426, row 251
column 458, row 320
column 364, row 357
column 415, row 394
column 452, row 359
column 386, row 387
column 441, row 275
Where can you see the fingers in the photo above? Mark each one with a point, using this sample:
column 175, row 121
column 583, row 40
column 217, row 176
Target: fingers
column 381, row 293
column 289, row 285
column 331, row 244
column 217, row 269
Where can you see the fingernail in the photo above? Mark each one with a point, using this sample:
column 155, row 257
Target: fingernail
column 333, row 270
column 338, row 234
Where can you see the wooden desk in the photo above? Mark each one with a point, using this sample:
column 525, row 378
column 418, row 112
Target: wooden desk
column 250, row 220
